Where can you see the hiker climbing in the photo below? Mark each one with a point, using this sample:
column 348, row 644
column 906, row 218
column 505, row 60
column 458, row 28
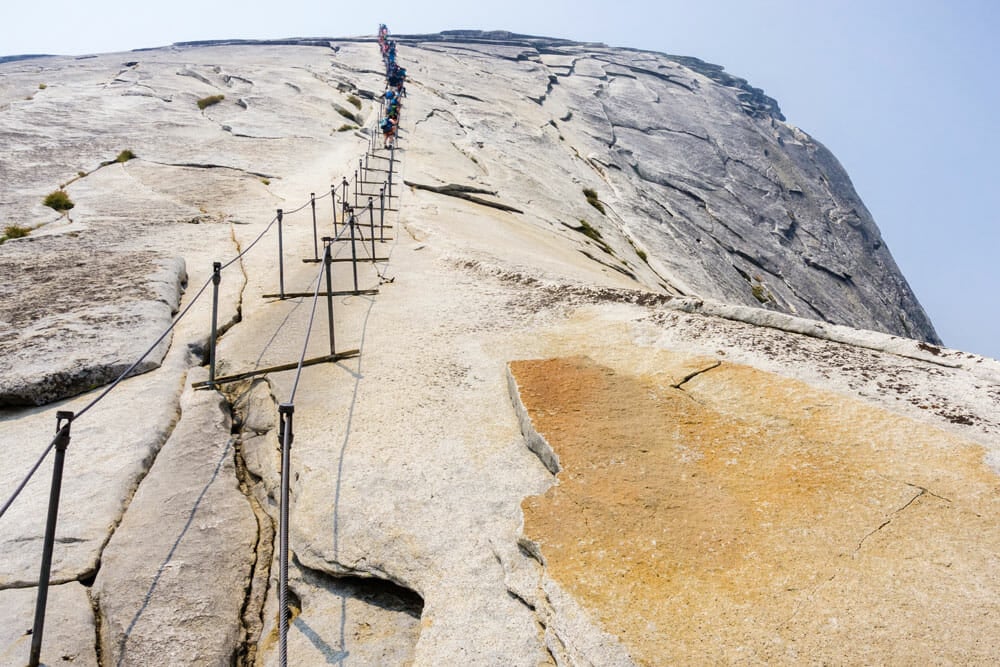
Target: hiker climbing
column 388, row 127
column 395, row 79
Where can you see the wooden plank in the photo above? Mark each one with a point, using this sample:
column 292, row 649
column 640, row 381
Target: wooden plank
column 296, row 295
column 276, row 369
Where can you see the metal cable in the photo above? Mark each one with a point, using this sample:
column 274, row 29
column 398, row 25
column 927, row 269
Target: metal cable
column 147, row 352
column 24, row 483
column 125, row 374
column 247, row 249
column 312, row 318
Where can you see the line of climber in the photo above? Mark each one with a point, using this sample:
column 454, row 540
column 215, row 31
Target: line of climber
column 395, row 84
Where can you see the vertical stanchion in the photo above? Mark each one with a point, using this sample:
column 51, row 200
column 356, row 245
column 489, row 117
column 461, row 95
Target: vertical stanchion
column 343, row 198
column 281, row 258
column 361, row 169
column 381, row 213
column 328, row 258
column 392, row 160
column 371, row 219
column 312, row 200
column 333, row 201
column 63, row 421
column 356, row 185
column 354, row 254
column 216, row 279
column 285, row 411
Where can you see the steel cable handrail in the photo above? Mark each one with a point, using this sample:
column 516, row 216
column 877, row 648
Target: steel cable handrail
column 127, row 372
column 312, row 318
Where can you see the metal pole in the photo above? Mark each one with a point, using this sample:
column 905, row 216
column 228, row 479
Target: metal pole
column 354, row 254
column 216, row 279
column 63, row 421
column 281, row 259
column 328, row 259
column 285, row 411
column 333, row 200
column 312, row 201
column 381, row 213
column 356, row 187
column 392, row 160
column 361, row 169
column 344, row 197
column 371, row 218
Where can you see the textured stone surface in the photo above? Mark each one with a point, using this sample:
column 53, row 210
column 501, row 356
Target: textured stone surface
column 68, row 637
column 110, row 450
column 723, row 198
column 57, row 340
column 173, row 577
column 713, row 512
column 409, row 464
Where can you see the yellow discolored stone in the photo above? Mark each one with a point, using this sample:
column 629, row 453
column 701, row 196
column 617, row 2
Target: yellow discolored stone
column 736, row 516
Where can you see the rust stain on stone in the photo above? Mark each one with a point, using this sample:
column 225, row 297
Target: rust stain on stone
column 745, row 517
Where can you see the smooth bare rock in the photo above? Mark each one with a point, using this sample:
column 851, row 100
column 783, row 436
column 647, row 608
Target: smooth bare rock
column 68, row 637
column 174, row 594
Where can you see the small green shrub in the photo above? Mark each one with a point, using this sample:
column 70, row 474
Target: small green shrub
column 81, row 174
column 205, row 102
column 125, row 156
column 346, row 128
column 355, row 100
column 642, row 255
column 59, row 201
column 14, row 232
column 42, row 86
column 265, row 181
column 592, row 199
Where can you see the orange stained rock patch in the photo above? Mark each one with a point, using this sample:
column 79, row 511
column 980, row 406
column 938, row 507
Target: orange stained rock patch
column 747, row 518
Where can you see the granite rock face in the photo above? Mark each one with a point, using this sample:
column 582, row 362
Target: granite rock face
column 701, row 187
column 602, row 269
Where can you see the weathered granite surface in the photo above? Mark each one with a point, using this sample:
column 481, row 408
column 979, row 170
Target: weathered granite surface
column 203, row 538
column 409, row 542
column 710, row 512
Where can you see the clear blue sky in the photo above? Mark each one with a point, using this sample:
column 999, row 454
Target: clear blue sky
column 903, row 92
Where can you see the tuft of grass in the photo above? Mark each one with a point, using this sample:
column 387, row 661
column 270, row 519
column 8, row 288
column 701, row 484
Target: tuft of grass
column 14, row 232
column 346, row 128
column 592, row 199
column 265, row 181
column 642, row 255
column 205, row 102
column 348, row 114
column 125, row 156
column 761, row 293
column 594, row 235
column 355, row 100
column 81, row 174
column 58, row 200
column 587, row 230
column 42, row 86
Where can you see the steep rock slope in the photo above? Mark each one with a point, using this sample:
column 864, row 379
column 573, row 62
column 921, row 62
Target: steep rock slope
column 424, row 529
column 692, row 166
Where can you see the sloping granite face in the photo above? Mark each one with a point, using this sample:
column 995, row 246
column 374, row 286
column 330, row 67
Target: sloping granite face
column 705, row 189
column 410, row 464
column 712, row 513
